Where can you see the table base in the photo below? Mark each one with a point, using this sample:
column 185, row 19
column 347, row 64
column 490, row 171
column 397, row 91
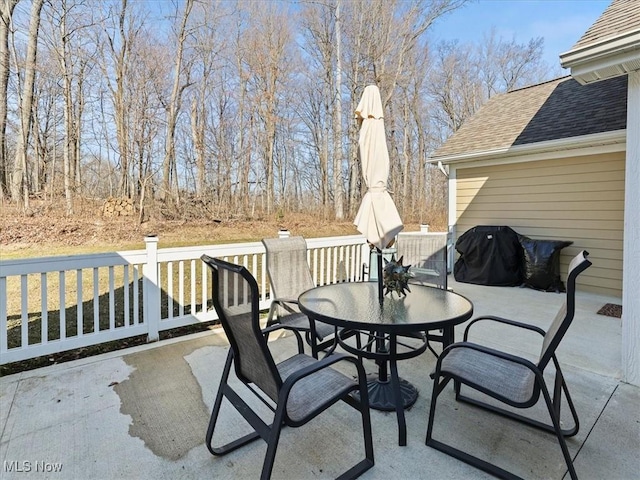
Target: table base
column 382, row 395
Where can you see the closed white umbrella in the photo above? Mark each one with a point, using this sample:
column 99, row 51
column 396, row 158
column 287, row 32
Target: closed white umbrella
column 378, row 218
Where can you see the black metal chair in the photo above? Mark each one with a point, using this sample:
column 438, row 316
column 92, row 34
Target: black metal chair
column 290, row 276
column 296, row 389
column 510, row 379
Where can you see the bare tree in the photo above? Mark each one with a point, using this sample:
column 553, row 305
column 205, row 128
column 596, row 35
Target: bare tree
column 19, row 183
column 338, row 130
column 181, row 81
column 465, row 76
column 147, row 114
column 268, row 57
column 506, row 65
column 321, row 99
column 245, row 118
column 121, row 39
column 6, row 12
column 209, row 42
column 455, row 86
column 71, row 21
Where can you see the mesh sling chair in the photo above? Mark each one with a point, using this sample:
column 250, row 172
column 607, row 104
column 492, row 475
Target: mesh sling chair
column 296, row 389
column 512, row 380
column 289, row 276
column 427, row 255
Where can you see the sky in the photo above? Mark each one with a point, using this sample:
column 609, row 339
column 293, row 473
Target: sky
column 560, row 22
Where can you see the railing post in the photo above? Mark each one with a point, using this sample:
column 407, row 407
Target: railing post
column 151, row 291
column 424, row 228
column 282, row 233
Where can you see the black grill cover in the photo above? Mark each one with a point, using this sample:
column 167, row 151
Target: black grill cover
column 489, row 255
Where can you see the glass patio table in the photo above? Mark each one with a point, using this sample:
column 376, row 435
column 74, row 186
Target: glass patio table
column 393, row 328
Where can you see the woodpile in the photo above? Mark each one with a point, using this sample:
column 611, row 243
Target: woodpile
column 117, row 207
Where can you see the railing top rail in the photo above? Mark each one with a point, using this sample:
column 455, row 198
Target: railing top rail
column 424, row 234
column 335, row 241
column 70, row 262
column 192, row 252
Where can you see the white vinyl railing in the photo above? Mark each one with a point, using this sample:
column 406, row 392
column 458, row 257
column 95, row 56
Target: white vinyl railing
column 54, row 304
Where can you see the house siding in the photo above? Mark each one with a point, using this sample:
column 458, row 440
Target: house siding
column 579, row 199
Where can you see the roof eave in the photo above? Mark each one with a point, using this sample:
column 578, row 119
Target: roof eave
column 616, row 139
column 608, row 58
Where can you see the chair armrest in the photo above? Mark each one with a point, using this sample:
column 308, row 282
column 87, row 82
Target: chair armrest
column 284, row 303
column 273, row 328
column 506, row 321
column 317, row 366
column 425, row 271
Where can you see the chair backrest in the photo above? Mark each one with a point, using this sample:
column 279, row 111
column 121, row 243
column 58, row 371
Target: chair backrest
column 236, row 300
column 287, row 267
column 566, row 313
column 426, row 252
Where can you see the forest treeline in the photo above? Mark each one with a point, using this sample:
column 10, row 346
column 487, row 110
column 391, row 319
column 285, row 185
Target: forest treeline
column 237, row 106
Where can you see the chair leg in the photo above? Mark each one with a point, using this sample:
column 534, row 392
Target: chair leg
column 299, row 341
column 395, row 384
column 272, row 442
column 365, row 413
column 555, row 419
column 229, row 447
column 363, row 406
column 438, row 387
column 559, row 387
column 313, row 342
column 486, row 466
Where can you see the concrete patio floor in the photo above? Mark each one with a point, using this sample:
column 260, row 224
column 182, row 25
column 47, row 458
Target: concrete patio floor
column 142, row 413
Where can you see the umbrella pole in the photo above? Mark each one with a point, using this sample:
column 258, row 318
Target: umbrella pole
column 380, row 280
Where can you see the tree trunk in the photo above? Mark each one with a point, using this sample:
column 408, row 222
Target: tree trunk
column 69, row 150
column 173, row 108
column 197, row 135
column 120, row 103
column 6, row 11
column 338, row 198
column 19, row 184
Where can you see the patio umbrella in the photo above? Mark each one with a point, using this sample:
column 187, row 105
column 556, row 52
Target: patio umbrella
column 378, row 218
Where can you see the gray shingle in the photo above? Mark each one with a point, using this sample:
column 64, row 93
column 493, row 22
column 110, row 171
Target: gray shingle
column 552, row 110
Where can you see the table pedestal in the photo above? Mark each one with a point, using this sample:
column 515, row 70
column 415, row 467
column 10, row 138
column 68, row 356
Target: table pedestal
column 382, row 395
column 388, row 392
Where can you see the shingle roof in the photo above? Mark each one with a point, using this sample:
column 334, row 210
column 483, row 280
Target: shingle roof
column 553, row 110
column 620, row 17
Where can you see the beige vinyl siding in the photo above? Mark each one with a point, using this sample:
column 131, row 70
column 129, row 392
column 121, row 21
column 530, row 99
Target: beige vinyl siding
column 579, row 199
